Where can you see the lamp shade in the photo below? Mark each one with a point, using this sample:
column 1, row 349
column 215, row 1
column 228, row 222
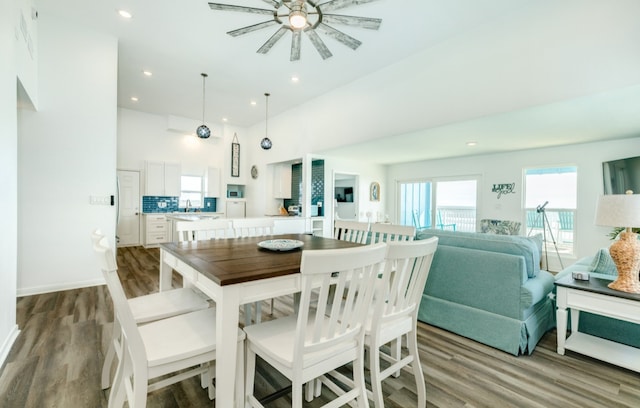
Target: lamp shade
column 618, row 210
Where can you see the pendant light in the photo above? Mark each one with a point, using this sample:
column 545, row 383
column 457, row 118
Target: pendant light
column 266, row 142
column 203, row 131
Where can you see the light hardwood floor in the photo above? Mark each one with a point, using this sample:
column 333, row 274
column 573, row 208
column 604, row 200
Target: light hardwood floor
column 57, row 358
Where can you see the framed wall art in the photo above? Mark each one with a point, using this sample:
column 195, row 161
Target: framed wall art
column 235, row 157
column 374, row 191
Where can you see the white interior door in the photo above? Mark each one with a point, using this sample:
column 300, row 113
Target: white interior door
column 128, row 231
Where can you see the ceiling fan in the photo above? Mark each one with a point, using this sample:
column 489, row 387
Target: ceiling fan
column 298, row 16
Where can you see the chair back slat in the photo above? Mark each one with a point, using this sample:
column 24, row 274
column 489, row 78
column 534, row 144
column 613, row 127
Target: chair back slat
column 344, row 297
column 352, row 231
column 203, row 229
column 253, row 227
column 392, row 233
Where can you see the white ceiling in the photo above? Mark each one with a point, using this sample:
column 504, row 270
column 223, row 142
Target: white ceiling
column 509, row 74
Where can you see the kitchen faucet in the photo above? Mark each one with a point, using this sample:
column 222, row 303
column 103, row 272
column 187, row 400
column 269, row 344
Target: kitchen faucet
column 187, row 206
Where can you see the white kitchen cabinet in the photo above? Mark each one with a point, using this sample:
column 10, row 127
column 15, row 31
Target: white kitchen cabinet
column 282, row 181
column 236, row 209
column 157, row 229
column 172, row 174
column 317, row 226
column 162, row 179
column 213, row 182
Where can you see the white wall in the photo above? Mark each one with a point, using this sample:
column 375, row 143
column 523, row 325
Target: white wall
column 8, row 178
column 508, row 168
column 66, row 153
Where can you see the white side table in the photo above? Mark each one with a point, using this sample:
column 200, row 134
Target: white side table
column 595, row 297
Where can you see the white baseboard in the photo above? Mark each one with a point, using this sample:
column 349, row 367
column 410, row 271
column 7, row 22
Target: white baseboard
column 37, row 290
column 8, row 343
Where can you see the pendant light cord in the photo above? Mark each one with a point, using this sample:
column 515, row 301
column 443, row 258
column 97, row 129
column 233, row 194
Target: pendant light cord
column 204, row 76
column 266, row 119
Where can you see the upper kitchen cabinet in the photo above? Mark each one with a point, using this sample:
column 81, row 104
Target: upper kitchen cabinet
column 162, row 179
column 213, row 182
column 282, row 181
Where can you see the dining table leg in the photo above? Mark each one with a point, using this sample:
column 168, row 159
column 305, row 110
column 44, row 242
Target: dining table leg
column 227, row 318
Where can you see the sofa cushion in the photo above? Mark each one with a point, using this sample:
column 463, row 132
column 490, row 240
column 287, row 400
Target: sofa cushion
column 603, row 263
column 506, row 244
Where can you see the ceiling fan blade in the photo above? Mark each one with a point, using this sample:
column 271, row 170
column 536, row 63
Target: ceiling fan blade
column 229, row 7
column 340, row 36
column 318, row 43
column 248, row 29
column 295, row 45
column 362, row 22
column 274, row 3
column 339, row 4
column 274, row 38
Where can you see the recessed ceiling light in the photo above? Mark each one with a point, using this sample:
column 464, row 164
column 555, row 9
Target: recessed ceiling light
column 295, row 79
column 125, row 14
column 134, row 99
column 224, row 119
column 471, row 144
column 147, row 73
column 254, row 103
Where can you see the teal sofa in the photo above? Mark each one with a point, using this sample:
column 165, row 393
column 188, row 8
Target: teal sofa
column 489, row 288
column 601, row 266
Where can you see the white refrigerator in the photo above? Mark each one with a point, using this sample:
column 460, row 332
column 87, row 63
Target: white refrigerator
column 236, row 209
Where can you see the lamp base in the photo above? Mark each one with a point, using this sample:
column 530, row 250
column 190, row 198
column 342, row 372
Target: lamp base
column 626, row 255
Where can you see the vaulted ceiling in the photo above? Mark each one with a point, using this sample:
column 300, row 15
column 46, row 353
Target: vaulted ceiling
column 507, row 74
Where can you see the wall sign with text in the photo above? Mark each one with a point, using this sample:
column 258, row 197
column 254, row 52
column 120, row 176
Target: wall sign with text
column 501, row 189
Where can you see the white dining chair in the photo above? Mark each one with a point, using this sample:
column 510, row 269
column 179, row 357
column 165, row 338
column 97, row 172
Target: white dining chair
column 145, row 309
column 204, row 229
column 253, row 227
column 395, row 313
column 391, row 232
column 183, row 346
column 320, row 339
column 352, row 231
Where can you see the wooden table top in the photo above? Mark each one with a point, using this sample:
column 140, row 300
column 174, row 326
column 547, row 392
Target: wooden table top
column 238, row 260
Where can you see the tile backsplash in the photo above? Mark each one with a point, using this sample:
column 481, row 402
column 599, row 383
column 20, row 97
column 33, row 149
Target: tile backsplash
column 162, row 204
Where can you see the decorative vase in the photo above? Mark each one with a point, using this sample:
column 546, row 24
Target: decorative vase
column 626, row 255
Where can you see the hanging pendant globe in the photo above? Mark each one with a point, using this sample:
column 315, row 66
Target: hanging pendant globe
column 266, row 143
column 203, row 132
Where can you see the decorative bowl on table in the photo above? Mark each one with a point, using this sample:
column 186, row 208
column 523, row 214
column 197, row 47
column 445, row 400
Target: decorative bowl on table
column 280, row 244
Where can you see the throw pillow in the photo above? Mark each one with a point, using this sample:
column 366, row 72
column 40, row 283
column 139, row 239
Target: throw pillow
column 537, row 241
column 603, row 263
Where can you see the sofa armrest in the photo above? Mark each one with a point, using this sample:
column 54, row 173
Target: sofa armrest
column 484, row 280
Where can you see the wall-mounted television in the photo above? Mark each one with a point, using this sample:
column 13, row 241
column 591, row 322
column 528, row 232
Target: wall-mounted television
column 621, row 175
column 344, row 194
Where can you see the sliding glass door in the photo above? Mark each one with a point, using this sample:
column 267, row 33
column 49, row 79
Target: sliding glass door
column 439, row 203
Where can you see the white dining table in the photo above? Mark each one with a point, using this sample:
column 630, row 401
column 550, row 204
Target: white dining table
column 233, row 272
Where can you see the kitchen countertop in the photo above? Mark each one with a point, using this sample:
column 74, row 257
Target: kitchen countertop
column 191, row 216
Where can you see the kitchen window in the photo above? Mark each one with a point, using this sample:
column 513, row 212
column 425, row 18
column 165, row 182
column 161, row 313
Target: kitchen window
column 191, row 191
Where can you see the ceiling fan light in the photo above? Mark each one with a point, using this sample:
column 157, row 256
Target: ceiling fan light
column 297, row 19
column 298, row 15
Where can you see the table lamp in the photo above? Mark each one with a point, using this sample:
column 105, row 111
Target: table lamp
column 623, row 210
